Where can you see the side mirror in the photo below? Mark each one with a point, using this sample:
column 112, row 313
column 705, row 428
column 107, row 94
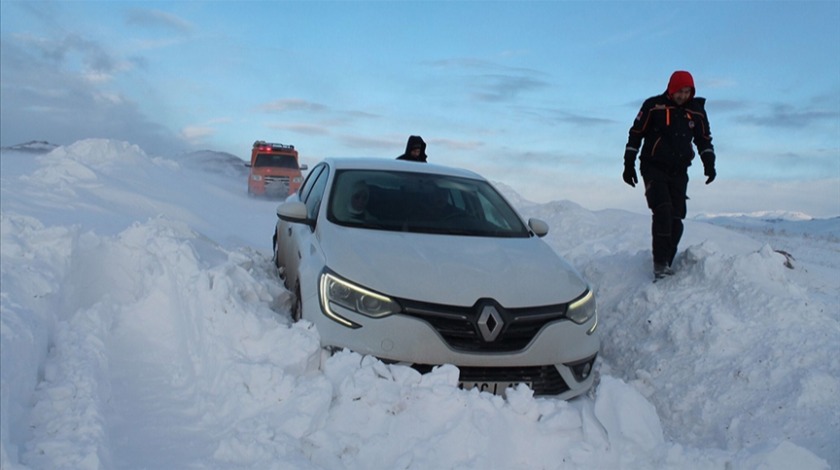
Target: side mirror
column 293, row 211
column 304, row 167
column 247, row 164
column 538, row 226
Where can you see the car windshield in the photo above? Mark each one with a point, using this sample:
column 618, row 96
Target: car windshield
column 422, row 203
column 277, row 160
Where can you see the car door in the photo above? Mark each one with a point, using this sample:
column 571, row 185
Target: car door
column 300, row 234
column 284, row 229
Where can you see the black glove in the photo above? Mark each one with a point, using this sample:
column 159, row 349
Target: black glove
column 709, row 166
column 630, row 176
column 710, row 172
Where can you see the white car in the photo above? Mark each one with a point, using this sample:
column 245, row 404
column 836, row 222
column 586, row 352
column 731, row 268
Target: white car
column 425, row 265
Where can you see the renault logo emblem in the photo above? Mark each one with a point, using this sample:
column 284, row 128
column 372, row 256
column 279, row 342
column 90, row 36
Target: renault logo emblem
column 490, row 323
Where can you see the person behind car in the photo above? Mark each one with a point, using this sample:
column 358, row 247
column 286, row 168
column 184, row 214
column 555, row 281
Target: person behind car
column 668, row 124
column 415, row 150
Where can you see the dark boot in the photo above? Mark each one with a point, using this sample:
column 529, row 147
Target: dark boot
column 676, row 235
column 661, row 270
column 662, row 234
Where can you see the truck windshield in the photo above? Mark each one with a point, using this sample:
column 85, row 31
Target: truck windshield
column 276, row 160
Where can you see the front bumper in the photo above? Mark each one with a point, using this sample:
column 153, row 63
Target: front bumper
column 555, row 358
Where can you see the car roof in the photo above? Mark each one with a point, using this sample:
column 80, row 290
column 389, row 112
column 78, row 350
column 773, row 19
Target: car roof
column 371, row 163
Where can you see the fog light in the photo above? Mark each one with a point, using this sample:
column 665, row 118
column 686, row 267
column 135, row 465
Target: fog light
column 587, row 368
column 582, row 369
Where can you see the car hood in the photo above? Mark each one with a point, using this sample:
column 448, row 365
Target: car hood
column 452, row 270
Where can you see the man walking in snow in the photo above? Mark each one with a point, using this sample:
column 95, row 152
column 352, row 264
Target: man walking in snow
column 668, row 124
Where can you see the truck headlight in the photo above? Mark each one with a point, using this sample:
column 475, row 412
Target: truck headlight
column 339, row 292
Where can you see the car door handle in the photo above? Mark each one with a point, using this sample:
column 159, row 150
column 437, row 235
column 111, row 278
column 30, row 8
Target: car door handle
column 290, row 231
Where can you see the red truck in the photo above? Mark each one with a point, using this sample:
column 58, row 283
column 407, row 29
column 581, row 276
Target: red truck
column 275, row 170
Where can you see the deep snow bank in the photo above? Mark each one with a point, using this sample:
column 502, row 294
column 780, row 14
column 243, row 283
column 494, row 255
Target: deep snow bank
column 163, row 340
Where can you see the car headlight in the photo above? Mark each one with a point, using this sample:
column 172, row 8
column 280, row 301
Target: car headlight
column 337, row 291
column 256, row 177
column 583, row 308
column 297, row 179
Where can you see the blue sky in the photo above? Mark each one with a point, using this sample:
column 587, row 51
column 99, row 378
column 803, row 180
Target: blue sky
column 536, row 95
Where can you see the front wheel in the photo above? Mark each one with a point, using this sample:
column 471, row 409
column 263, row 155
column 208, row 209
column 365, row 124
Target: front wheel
column 278, row 266
column 297, row 307
column 274, row 245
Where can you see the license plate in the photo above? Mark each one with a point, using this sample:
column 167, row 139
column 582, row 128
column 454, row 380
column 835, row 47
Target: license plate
column 496, row 388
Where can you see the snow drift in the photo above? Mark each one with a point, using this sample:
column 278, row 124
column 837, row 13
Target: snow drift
column 144, row 327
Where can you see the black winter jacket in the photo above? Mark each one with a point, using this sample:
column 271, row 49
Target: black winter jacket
column 414, row 141
column 668, row 131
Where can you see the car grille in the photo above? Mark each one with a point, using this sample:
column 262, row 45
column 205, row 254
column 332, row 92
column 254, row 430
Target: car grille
column 276, row 184
column 544, row 380
column 459, row 326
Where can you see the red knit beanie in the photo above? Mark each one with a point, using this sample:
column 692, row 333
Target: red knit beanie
column 679, row 80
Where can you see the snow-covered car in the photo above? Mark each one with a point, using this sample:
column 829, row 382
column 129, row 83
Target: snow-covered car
column 426, row 265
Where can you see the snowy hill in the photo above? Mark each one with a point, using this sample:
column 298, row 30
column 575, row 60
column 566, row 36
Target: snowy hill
column 210, row 161
column 144, row 327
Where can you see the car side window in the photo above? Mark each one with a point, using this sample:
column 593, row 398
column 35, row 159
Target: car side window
column 307, row 185
column 316, row 194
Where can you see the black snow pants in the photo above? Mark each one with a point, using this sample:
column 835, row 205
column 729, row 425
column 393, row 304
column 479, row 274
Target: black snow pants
column 665, row 191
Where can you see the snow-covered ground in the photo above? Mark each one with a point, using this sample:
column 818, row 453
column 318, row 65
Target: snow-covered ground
column 143, row 327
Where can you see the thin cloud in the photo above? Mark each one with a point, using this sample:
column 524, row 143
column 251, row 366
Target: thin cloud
column 533, row 159
column 159, row 20
column 306, row 129
column 356, row 142
column 496, row 82
column 195, row 134
column 579, row 119
column 499, row 87
column 775, row 162
column 514, row 53
column 456, row 145
column 727, row 105
column 827, row 98
column 327, row 118
column 292, row 104
column 555, row 116
column 461, row 62
column 139, row 62
column 789, row 116
column 362, row 115
column 482, row 65
column 62, row 51
column 45, row 99
column 716, row 83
